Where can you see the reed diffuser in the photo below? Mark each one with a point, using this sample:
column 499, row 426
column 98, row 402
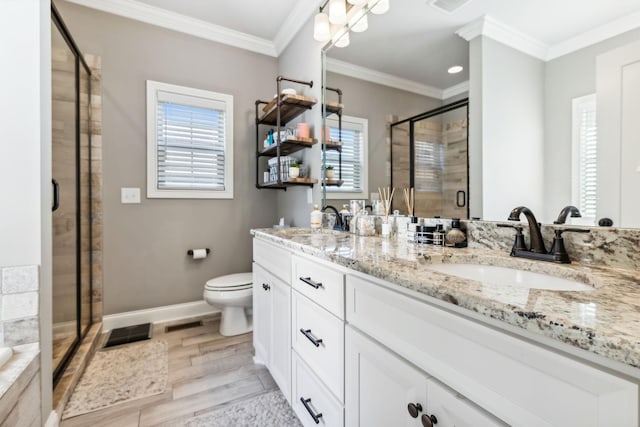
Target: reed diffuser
column 386, row 197
column 409, row 199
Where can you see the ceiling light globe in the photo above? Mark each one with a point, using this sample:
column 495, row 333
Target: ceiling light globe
column 382, row 6
column 321, row 27
column 337, row 12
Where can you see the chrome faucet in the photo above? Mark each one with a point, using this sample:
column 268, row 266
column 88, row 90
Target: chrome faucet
column 538, row 251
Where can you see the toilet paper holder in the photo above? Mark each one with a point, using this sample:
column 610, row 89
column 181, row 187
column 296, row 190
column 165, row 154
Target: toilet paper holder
column 190, row 251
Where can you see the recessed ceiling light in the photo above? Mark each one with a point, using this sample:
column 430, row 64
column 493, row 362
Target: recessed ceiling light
column 455, row 69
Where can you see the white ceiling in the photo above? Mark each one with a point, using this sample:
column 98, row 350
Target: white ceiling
column 413, row 41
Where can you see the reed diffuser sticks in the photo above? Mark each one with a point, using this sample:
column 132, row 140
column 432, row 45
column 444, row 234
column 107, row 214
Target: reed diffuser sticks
column 386, row 196
column 409, row 199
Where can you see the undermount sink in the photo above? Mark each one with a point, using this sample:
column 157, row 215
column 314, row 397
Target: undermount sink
column 503, row 276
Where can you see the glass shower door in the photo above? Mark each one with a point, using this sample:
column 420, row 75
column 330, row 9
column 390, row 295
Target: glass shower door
column 65, row 212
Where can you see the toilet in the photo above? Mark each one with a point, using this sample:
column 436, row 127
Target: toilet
column 233, row 294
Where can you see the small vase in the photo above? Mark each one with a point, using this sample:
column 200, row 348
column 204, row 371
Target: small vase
column 329, row 173
column 294, row 172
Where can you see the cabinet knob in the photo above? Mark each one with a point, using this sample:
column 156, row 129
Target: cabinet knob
column 414, row 409
column 266, row 287
column 428, row 420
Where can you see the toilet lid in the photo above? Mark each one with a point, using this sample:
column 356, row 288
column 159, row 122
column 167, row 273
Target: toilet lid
column 231, row 282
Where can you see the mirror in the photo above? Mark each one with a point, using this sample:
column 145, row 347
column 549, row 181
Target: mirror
column 382, row 51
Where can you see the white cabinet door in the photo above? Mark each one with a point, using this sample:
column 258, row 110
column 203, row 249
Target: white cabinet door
column 280, row 355
column 379, row 386
column 261, row 315
column 450, row 409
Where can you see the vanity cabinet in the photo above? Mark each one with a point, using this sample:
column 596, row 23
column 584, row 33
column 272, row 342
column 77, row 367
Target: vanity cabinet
column 317, row 337
column 522, row 383
column 383, row 390
column 272, row 312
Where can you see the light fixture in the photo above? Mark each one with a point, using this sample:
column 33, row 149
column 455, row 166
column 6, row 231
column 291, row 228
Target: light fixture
column 455, row 69
column 336, row 24
column 321, row 27
column 337, row 12
column 379, row 7
column 359, row 22
column 340, row 36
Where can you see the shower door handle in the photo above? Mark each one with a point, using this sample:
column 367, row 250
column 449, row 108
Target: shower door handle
column 56, row 195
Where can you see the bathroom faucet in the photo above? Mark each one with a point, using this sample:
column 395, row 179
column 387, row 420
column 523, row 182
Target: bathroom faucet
column 562, row 217
column 538, row 251
column 338, row 217
column 537, row 244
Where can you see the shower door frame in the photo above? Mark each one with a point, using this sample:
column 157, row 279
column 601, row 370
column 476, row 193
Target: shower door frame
column 422, row 116
column 56, row 19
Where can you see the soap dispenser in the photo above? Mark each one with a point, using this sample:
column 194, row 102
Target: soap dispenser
column 316, row 218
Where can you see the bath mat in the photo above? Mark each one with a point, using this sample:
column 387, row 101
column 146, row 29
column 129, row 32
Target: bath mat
column 267, row 410
column 119, row 375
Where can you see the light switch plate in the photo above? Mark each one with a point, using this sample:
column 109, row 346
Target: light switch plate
column 309, row 195
column 130, row 195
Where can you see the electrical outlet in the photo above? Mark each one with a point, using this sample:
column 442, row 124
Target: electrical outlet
column 129, row 195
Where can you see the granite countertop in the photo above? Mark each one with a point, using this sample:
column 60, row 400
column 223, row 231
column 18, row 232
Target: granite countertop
column 605, row 321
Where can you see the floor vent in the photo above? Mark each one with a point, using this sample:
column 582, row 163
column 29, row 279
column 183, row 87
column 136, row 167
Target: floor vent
column 129, row 334
column 182, row 326
column 448, row 6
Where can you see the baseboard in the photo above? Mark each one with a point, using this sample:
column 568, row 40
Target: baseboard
column 167, row 313
column 52, row 421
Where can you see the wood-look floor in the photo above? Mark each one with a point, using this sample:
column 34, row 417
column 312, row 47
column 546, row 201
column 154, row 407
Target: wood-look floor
column 206, row 371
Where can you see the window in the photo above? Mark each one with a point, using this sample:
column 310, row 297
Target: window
column 429, row 163
column 584, row 167
column 354, row 155
column 189, row 143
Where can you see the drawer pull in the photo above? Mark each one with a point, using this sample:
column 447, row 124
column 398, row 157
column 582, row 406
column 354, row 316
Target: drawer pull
column 266, row 287
column 311, row 283
column 414, row 409
column 428, row 420
column 310, row 337
column 316, row 417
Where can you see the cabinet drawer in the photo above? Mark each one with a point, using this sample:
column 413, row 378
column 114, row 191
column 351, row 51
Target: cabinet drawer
column 319, row 401
column 521, row 383
column 322, row 284
column 318, row 338
column 272, row 258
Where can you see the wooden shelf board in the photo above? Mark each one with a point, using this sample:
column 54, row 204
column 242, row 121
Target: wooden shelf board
column 333, row 182
column 333, row 108
column 291, row 106
column 333, row 145
column 290, row 182
column 290, row 145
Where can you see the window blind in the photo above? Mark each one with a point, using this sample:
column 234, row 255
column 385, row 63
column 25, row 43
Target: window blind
column 191, row 146
column 585, row 156
column 428, row 166
column 352, row 155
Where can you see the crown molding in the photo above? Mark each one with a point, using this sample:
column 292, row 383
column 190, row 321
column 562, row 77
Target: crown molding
column 455, row 90
column 373, row 76
column 596, row 35
column 297, row 18
column 184, row 24
column 496, row 30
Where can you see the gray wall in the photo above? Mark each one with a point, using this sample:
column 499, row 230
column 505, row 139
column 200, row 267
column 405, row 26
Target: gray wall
column 301, row 60
column 145, row 245
column 512, row 102
column 375, row 102
column 568, row 77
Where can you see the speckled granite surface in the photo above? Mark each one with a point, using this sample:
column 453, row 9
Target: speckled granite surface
column 605, row 321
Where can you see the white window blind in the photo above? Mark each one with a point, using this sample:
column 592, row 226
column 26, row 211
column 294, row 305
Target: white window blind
column 189, row 142
column 585, row 148
column 354, row 147
column 428, row 166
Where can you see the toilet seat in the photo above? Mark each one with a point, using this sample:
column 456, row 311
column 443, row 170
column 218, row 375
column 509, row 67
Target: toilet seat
column 230, row 282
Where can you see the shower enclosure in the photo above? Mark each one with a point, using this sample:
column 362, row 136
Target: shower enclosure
column 71, row 205
column 429, row 152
